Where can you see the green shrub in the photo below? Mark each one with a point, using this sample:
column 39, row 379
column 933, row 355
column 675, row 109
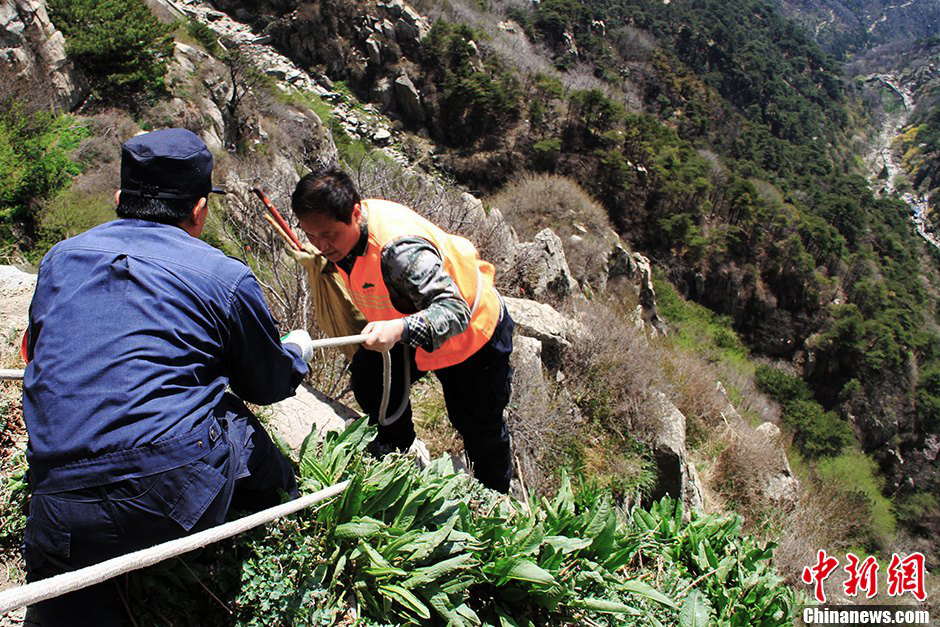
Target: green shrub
column 69, row 214
column 782, row 387
column 817, row 433
column 205, row 36
column 928, row 399
column 12, row 496
column 545, row 152
column 855, row 472
column 413, row 544
column 35, row 162
column 478, row 96
column 119, row 44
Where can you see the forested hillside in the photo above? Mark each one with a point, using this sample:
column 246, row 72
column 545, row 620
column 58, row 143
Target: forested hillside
column 849, row 27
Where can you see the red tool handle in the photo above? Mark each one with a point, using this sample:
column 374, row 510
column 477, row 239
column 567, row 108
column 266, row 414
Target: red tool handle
column 278, row 217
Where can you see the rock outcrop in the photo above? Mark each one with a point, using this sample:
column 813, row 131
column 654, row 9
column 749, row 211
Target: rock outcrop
column 16, row 292
column 294, row 418
column 676, row 474
column 779, row 485
column 35, row 50
column 542, row 322
column 542, row 271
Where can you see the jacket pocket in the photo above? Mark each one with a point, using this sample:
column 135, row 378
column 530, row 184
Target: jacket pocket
column 47, row 539
column 188, row 491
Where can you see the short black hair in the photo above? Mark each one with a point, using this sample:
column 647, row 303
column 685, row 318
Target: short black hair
column 328, row 191
column 162, row 210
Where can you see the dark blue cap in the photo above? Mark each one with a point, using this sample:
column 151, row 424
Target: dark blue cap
column 172, row 163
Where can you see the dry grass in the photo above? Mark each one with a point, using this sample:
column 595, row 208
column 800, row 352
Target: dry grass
column 694, row 390
column 533, row 202
column 430, row 418
column 824, row 518
column 741, row 473
column 613, row 376
column 444, row 204
column 543, row 422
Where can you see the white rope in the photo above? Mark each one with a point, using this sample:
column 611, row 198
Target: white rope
column 17, row 373
column 344, row 340
column 77, row 579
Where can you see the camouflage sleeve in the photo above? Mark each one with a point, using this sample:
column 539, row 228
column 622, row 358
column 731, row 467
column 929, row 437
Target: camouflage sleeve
column 418, row 284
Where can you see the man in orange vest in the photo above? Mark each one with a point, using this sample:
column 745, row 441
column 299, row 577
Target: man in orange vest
column 430, row 300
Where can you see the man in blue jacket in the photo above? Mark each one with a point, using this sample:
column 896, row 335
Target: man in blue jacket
column 136, row 329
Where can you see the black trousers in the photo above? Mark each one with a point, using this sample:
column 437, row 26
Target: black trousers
column 75, row 528
column 476, row 391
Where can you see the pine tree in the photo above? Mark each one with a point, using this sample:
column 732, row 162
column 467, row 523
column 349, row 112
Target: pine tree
column 119, row 44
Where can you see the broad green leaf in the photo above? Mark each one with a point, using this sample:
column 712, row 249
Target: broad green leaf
column 621, row 557
column 599, row 517
column 444, row 606
column 644, row 520
column 695, row 611
column 381, row 501
column 603, row 605
column 388, row 571
column 605, row 541
column 405, row 598
column 566, row 544
column 434, row 540
column 530, row 541
column 468, row 614
column 340, row 566
column 443, row 465
column 698, row 556
column 311, row 468
column 710, row 554
column 376, row 558
column 351, row 500
column 521, row 569
column 458, row 584
column 359, row 527
column 428, row 574
column 646, row 590
column 409, row 508
column 564, row 500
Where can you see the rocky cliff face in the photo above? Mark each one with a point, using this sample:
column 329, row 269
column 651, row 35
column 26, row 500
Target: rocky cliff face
column 32, row 47
column 371, row 45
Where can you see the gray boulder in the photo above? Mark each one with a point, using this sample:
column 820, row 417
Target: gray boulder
column 32, row 46
column 308, row 410
column 676, row 475
column 542, row 270
column 779, row 485
column 408, row 99
column 543, row 323
column 16, row 292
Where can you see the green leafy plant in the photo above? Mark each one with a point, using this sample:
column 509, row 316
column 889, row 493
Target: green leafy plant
column 413, row 546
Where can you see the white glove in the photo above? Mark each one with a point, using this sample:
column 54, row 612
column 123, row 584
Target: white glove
column 301, row 339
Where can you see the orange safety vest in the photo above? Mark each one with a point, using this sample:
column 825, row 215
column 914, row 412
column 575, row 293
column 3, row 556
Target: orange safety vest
column 389, row 221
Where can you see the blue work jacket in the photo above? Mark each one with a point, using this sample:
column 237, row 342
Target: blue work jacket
column 135, row 330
